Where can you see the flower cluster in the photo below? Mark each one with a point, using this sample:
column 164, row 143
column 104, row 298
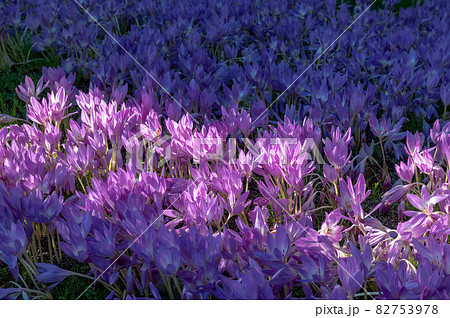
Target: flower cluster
column 166, row 208
column 210, row 55
column 209, row 192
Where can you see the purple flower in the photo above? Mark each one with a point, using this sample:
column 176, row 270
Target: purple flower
column 74, row 231
column 201, row 254
column 49, row 273
column 424, row 161
column 336, row 148
column 51, row 111
column 385, row 130
column 330, row 227
column 444, row 146
column 432, row 283
column 394, row 283
column 436, row 253
column 351, row 196
column 405, row 171
column 246, row 163
column 425, row 203
column 338, row 293
column 251, row 284
column 12, row 239
column 13, row 243
column 39, row 210
column 415, row 227
column 353, row 270
column 259, row 112
column 244, row 122
column 330, row 174
column 28, row 90
column 413, row 144
column 230, row 119
column 167, row 251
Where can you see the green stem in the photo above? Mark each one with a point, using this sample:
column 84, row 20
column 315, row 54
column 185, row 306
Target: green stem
column 336, row 188
column 59, row 245
column 38, row 237
column 178, row 286
column 29, row 270
column 33, row 250
column 81, row 183
column 49, row 248
column 55, row 248
column 384, row 160
column 168, row 286
column 23, row 280
column 417, row 177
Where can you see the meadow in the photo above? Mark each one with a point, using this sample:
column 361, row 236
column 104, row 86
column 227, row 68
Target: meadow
column 224, row 149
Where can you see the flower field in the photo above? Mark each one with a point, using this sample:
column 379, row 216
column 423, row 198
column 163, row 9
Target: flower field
column 201, row 149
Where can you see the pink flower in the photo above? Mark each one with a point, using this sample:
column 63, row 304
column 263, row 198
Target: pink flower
column 405, row 171
column 425, row 204
column 330, row 227
column 336, row 148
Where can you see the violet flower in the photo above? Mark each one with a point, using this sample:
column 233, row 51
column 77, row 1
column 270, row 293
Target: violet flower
column 336, row 148
column 28, row 90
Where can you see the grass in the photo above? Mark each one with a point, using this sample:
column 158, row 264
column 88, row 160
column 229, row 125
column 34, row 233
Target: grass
column 73, row 286
column 69, row 289
column 17, row 60
column 9, row 80
column 5, row 275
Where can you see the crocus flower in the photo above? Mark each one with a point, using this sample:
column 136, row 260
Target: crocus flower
column 167, row 251
column 39, row 210
column 405, row 171
column 330, row 227
column 394, row 283
column 230, row 120
column 351, row 275
column 415, row 227
column 251, row 284
column 329, row 173
column 74, row 232
column 259, row 113
column 338, row 293
column 246, row 163
column 244, row 122
column 353, row 270
column 351, row 196
column 436, row 253
column 336, row 148
column 28, row 90
column 425, row 204
column 432, row 284
column 413, row 144
column 385, row 130
column 51, row 274
column 424, row 160
column 12, row 239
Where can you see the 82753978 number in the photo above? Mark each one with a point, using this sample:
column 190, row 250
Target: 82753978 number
column 406, row 309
